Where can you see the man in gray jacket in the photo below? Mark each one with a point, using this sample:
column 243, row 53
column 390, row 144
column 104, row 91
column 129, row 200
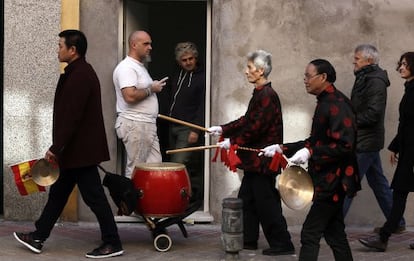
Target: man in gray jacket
column 369, row 98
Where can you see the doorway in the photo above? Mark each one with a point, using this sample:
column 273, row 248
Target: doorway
column 171, row 22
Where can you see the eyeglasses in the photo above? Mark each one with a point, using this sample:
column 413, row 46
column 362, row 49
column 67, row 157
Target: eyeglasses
column 309, row 77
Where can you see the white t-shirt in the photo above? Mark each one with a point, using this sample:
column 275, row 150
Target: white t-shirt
column 130, row 72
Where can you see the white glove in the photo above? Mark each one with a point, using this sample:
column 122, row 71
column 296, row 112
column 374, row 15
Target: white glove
column 215, row 130
column 271, row 150
column 300, row 157
column 225, row 144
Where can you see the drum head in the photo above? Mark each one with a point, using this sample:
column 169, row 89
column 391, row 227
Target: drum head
column 168, row 166
column 295, row 187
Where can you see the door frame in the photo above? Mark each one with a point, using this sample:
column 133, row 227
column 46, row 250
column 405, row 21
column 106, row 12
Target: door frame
column 204, row 214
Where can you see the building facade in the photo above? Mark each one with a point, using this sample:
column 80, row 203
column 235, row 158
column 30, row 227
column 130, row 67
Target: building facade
column 295, row 32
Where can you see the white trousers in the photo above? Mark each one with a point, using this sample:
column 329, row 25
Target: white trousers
column 141, row 142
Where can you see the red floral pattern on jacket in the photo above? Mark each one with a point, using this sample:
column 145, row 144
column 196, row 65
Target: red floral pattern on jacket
column 261, row 126
column 332, row 165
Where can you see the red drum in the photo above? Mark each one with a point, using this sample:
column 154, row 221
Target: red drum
column 164, row 189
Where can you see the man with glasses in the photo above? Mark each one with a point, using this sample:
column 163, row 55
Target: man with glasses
column 369, row 98
column 329, row 152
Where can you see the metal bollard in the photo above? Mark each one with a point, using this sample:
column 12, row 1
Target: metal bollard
column 232, row 227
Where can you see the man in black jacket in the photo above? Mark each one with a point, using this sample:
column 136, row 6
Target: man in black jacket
column 368, row 98
column 187, row 103
column 79, row 145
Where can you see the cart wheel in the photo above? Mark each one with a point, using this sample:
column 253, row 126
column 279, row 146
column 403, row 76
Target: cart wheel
column 162, row 242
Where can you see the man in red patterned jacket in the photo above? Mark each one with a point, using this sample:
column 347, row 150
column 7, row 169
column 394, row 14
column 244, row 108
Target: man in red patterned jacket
column 261, row 126
column 330, row 153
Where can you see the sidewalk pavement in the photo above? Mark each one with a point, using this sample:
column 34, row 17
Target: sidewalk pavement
column 70, row 241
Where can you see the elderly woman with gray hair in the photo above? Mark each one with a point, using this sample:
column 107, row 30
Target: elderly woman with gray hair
column 261, row 126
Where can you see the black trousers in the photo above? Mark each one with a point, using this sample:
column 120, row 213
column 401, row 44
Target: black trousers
column 92, row 192
column 399, row 202
column 261, row 205
column 325, row 219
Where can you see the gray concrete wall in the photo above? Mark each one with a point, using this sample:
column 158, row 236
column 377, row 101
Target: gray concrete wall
column 31, row 70
column 99, row 21
column 296, row 32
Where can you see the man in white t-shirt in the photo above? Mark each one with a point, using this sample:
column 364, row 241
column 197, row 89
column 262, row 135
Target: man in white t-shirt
column 137, row 104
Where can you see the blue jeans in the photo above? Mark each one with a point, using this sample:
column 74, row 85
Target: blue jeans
column 369, row 164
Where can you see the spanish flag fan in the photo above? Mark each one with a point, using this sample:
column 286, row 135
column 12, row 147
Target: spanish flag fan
column 23, row 178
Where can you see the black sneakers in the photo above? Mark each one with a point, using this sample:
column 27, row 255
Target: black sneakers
column 278, row 251
column 250, row 245
column 28, row 241
column 105, row 250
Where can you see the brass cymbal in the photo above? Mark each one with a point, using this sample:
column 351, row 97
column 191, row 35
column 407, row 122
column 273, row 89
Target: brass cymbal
column 295, row 187
column 44, row 173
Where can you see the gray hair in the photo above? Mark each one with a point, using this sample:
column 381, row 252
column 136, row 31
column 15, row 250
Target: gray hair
column 261, row 59
column 368, row 51
column 185, row 47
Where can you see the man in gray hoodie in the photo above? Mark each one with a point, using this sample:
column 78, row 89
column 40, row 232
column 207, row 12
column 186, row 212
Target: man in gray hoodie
column 369, row 98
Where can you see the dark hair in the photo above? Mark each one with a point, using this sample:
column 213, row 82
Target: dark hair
column 409, row 57
column 75, row 38
column 323, row 66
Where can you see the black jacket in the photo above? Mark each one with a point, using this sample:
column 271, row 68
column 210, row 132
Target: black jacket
column 187, row 96
column 79, row 137
column 369, row 99
column 403, row 142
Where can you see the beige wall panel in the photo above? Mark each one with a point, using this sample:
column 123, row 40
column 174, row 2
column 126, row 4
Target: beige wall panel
column 296, row 32
column 99, row 22
column 31, row 70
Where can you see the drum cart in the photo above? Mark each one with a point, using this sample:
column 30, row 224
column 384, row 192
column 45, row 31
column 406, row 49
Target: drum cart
column 162, row 241
column 159, row 192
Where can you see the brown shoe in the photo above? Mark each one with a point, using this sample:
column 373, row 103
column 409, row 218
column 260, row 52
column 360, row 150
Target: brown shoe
column 399, row 230
column 374, row 242
column 412, row 245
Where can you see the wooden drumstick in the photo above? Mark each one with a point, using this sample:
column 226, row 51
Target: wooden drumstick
column 192, row 149
column 185, row 123
column 204, row 148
